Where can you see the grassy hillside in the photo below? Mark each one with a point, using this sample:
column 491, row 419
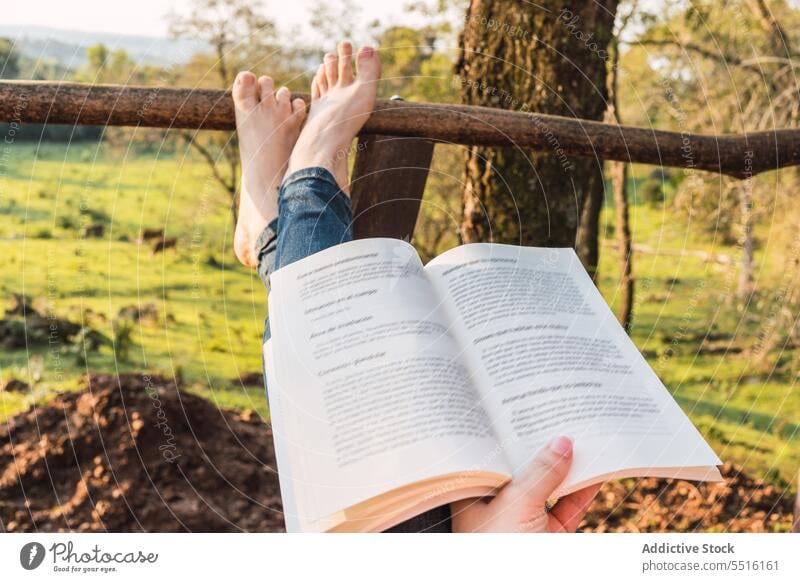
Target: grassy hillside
column 696, row 338
column 209, row 311
column 206, row 317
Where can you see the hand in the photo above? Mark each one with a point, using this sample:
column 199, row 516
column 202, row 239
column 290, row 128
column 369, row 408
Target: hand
column 520, row 505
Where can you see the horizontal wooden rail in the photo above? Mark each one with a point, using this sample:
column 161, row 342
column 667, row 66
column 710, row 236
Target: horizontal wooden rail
column 738, row 155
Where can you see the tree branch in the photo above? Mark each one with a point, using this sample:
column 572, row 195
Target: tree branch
column 211, row 161
column 770, row 24
column 693, row 48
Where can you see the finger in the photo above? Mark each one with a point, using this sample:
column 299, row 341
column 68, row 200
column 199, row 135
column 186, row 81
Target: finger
column 570, row 509
column 470, row 515
column 546, row 472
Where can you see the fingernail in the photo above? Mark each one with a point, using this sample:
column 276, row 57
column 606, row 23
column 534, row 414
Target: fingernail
column 561, row 445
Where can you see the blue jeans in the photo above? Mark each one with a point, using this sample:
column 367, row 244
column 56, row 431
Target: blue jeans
column 313, row 215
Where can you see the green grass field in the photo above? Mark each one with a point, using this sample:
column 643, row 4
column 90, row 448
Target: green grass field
column 210, row 310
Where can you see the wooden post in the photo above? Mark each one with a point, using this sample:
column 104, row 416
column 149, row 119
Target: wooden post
column 386, row 189
column 387, row 185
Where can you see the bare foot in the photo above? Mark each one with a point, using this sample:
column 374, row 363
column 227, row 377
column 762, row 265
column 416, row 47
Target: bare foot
column 340, row 104
column 267, row 123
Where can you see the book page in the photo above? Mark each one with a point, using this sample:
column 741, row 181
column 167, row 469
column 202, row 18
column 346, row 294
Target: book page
column 551, row 359
column 288, row 500
column 373, row 392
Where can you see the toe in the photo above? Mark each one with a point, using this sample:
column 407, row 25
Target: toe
column 245, row 95
column 345, row 63
column 331, row 69
column 322, row 80
column 368, row 65
column 267, row 87
column 284, row 98
column 315, row 92
column 299, row 108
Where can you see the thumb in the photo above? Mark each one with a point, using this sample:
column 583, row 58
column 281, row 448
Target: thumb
column 545, row 473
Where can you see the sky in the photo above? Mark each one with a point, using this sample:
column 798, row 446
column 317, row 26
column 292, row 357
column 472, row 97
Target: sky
column 148, row 17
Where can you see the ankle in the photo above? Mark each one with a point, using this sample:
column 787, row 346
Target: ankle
column 337, row 167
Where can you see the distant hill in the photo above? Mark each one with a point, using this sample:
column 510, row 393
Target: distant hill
column 67, row 48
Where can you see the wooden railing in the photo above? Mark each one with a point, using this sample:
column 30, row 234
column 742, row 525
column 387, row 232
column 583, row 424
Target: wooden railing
column 738, row 155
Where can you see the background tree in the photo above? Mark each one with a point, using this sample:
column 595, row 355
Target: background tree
column 239, row 37
column 738, row 55
column 9, row 61
column 96, row 57
column 116, row 67
column 731, row 66
column 548, row 57
column 618, row 172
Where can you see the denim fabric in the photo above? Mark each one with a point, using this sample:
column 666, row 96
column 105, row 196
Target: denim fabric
column 265, row 247
column 313, row 215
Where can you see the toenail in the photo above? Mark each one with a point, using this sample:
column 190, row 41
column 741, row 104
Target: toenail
column 244, row 79
column 367, row 51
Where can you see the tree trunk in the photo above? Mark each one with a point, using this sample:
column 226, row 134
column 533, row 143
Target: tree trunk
column 619, row 183
column 619, row 179
column 746, row 240
column 548, row 57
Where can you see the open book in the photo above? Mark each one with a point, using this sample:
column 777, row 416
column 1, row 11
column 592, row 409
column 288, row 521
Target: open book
column 395, row 388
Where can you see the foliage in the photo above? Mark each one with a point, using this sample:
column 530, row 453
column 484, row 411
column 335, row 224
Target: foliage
column 9, row 60
column 715, row 67
column 123, row 338
column 240, row 38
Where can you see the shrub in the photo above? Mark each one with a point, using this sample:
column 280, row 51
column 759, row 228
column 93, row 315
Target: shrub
column 123, row 338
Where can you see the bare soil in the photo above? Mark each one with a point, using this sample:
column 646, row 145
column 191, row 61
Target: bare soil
column 135, row 453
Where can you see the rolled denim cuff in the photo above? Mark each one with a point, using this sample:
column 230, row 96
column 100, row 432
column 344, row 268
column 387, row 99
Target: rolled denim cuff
column 313, row 215
column 322, row 184
column 266, row 244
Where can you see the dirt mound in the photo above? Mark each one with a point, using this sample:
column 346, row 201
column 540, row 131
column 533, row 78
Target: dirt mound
column 740, row 504
column 136, row 454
